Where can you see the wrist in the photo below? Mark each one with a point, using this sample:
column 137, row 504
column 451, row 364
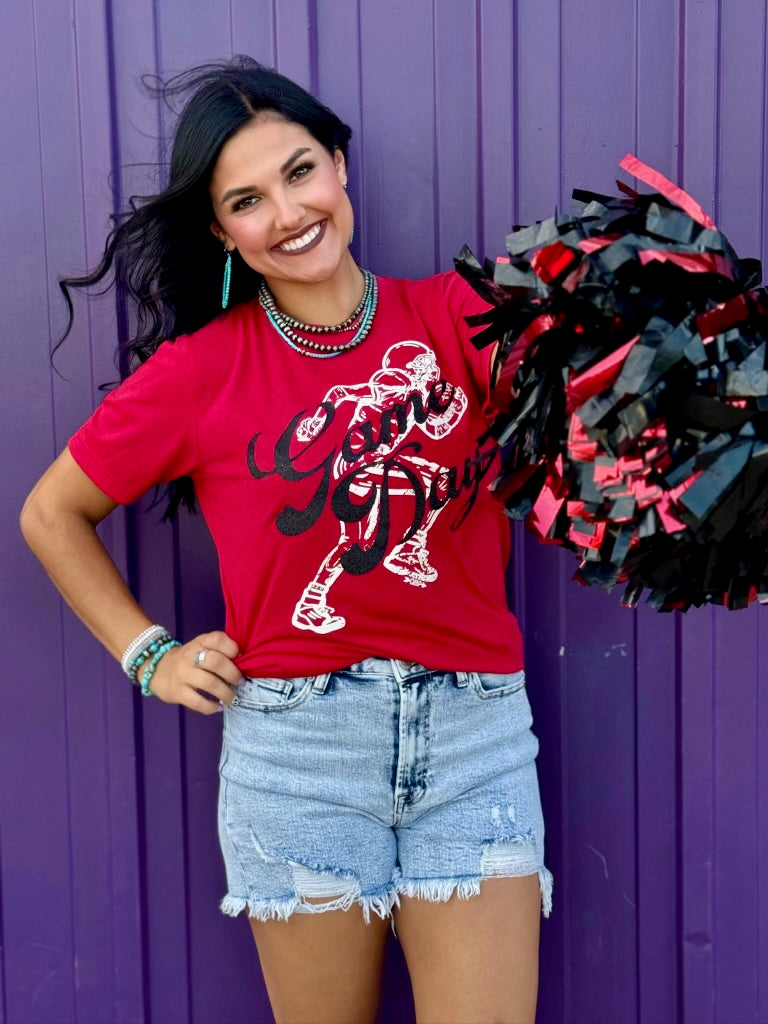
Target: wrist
column 151, row 666
column 142, row 656
column 135, row 654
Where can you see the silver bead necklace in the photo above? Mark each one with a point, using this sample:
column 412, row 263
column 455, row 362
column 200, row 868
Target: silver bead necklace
column 287, row 326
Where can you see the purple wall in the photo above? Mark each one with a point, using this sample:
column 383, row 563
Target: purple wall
column 469, row 115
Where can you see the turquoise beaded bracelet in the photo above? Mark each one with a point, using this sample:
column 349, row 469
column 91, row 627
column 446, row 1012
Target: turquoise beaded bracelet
column 135, row 664
column 160, row 653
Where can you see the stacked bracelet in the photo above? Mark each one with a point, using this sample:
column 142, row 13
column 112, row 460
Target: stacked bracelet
column 149, row 646
column 145, row 654
column 139, row 645
column 161, row 651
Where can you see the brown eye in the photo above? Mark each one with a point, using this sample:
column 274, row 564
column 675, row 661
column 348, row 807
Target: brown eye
column 245, row 203
column 301, row 170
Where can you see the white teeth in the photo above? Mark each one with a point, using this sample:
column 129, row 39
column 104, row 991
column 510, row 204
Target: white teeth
column 300, row 243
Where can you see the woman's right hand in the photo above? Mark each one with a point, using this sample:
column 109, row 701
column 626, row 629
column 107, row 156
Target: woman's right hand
column 182, row 678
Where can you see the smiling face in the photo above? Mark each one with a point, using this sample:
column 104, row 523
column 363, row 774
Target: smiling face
column 278, row 198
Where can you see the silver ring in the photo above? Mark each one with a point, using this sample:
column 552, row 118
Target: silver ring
column 200, row 657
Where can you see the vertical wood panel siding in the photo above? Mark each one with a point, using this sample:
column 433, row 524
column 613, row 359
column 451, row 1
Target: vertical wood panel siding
column 468, row 116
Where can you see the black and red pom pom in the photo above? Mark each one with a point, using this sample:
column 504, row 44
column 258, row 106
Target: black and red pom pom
column 632, row 388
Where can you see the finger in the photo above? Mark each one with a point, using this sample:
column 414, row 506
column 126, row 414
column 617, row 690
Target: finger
column 217, row 641
column 196, row 702
column 211, row 684
column 219, row 665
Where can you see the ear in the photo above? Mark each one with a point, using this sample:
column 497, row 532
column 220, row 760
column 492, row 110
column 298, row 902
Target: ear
column 341, row 166
column 221, row 234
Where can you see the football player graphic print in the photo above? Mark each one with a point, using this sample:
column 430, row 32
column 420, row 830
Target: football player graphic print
column 396, row 403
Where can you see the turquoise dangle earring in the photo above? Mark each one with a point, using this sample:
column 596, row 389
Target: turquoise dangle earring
column 352, row 232
column 227, row 278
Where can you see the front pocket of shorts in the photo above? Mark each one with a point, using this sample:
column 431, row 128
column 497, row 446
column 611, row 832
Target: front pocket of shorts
column 273, row 694
column 497, row 684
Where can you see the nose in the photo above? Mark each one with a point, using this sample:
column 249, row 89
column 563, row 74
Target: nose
column 289, row 215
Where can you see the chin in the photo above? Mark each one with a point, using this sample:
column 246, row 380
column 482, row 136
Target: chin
column 321, row 271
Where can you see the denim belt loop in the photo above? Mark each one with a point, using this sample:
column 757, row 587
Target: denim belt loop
column 462, row 678
column 399, row 669
column 321, row 682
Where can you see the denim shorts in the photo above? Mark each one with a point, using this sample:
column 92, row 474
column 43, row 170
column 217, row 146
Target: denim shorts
column 381, row 779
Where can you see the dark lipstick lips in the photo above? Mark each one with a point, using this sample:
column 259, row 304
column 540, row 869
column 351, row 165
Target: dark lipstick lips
column 300, row 252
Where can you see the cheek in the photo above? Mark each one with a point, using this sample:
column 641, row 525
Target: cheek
column 345, row 216
column 333, row 196
column 250, row 234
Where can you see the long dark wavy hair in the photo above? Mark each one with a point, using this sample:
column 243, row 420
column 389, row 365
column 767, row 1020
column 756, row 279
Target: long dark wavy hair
column 161, row 255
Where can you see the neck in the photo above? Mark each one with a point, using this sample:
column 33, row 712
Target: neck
column 325, row 302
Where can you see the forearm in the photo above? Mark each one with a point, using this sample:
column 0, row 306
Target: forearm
column 82, row 569
column 59, row 522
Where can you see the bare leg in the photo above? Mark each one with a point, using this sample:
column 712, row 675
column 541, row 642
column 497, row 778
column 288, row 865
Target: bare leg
column 476, row 960
column 323, row 968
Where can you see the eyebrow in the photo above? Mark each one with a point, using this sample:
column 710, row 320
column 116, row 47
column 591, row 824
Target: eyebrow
column 292, row 158
column 232, row 193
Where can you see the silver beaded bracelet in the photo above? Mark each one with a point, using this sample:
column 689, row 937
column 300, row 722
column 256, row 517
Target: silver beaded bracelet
column 142, row 640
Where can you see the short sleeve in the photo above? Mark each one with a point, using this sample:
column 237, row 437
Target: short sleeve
column 144, row 432
column 463, row 301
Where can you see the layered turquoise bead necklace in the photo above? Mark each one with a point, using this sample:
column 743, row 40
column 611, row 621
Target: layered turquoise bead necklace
column 360, row 320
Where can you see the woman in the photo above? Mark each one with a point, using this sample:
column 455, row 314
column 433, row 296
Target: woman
column 377, row 751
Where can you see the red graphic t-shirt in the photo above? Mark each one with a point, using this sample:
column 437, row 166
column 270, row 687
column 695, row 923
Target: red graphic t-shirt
column 347, row 497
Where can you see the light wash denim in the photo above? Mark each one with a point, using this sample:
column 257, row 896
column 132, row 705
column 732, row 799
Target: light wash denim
column 381, row 779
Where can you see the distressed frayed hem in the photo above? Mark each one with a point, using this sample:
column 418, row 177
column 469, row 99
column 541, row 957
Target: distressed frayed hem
column 380, row 902
column 263, row 910
column 546, row 883
column 440, row 890
column 232, row 906
column 381, row 905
